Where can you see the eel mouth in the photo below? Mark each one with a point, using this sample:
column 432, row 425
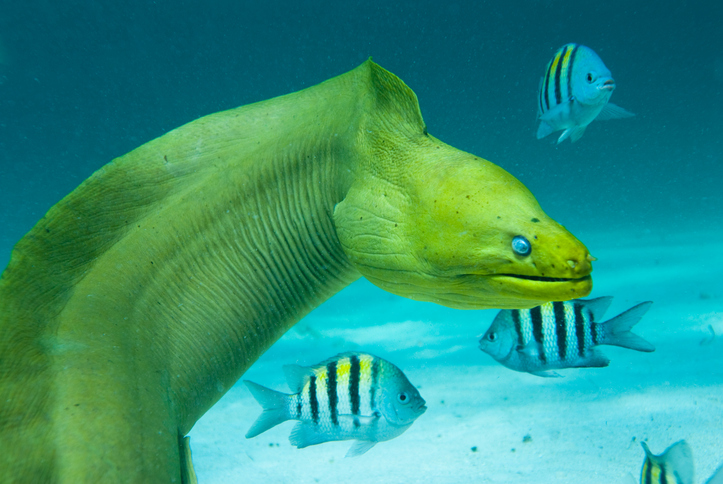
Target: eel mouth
column 545, row 279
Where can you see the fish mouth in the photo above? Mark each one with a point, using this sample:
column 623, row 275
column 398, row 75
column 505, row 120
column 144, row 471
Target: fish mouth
column 608, row 85
column 545, row 279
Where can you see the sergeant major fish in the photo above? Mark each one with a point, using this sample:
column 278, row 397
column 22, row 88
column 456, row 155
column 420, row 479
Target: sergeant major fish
column 350, row 396
column 574, row 91
column 560, row 335
column 673, row 466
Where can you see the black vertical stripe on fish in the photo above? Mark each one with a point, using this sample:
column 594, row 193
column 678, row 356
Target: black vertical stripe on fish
column 298, row 406
column 547, row 87
column 518, row 326
column 663, row 477
column 560, row 329
column 313, row 402
column 569, row 70
column 331, row 391
column 579, row 329
column 354, row 374
column 373, row 387
column 536, row 317
column 647, row 472
column 558, row 72
column 593, row 330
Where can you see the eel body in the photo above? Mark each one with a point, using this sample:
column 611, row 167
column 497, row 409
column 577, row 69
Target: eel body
column 142, row 296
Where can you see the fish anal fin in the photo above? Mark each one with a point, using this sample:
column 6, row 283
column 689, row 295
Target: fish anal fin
column 573, row 133
column 305, row 434
column 593, row 359
column 544, row 130
column 360, row 447
column 546, row 374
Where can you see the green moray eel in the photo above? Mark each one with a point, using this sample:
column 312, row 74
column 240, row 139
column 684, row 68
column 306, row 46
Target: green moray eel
column 143, row 296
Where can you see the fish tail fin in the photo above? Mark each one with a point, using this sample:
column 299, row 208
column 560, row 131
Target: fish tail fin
column 617, row 330
column 275, row 408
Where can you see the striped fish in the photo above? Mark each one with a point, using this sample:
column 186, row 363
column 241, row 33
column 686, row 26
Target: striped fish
column 674, row 466
column 561, row 335
column 352, row 396
column 574, row 91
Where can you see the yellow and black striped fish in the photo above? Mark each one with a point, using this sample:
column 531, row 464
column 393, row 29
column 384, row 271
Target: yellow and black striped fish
column 574, row 91
column 561, row 335
column 352, row 396
column 674, row 466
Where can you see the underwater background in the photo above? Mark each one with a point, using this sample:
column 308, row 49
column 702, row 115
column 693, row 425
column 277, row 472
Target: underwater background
column 82, row 82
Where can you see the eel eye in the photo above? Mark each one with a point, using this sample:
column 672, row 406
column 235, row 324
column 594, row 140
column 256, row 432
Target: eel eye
column 521, row 246
column 403, row 398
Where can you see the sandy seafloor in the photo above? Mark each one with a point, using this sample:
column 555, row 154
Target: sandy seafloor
column 583, row 428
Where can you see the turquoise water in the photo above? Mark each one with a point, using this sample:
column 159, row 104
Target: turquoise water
column 82, row 82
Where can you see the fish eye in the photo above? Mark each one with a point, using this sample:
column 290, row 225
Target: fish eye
column 521, row 246
column 492, row 337
column 589, row 77
column 403, row 398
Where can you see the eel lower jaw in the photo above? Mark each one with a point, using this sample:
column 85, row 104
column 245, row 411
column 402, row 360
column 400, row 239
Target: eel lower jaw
column 544, row 279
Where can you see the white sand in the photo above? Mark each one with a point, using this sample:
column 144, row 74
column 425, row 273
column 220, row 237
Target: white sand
column 583, row 428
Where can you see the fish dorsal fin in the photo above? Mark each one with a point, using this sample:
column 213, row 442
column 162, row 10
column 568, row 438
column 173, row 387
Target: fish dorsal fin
column 679, row 458
column 597, row 306
column 676, row 459
column 613, row 111
column 297, row 376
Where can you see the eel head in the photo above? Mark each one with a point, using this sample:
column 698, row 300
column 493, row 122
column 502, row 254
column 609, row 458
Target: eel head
column 451, row 228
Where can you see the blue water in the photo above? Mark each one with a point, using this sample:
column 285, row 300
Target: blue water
column 82, row 82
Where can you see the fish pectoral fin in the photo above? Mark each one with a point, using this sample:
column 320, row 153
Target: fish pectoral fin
column 546, row 374
column 613, row 111
column 305, row 434
column 530, row 350
column 360, row 447
column 361, row 420
column 561, row 110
